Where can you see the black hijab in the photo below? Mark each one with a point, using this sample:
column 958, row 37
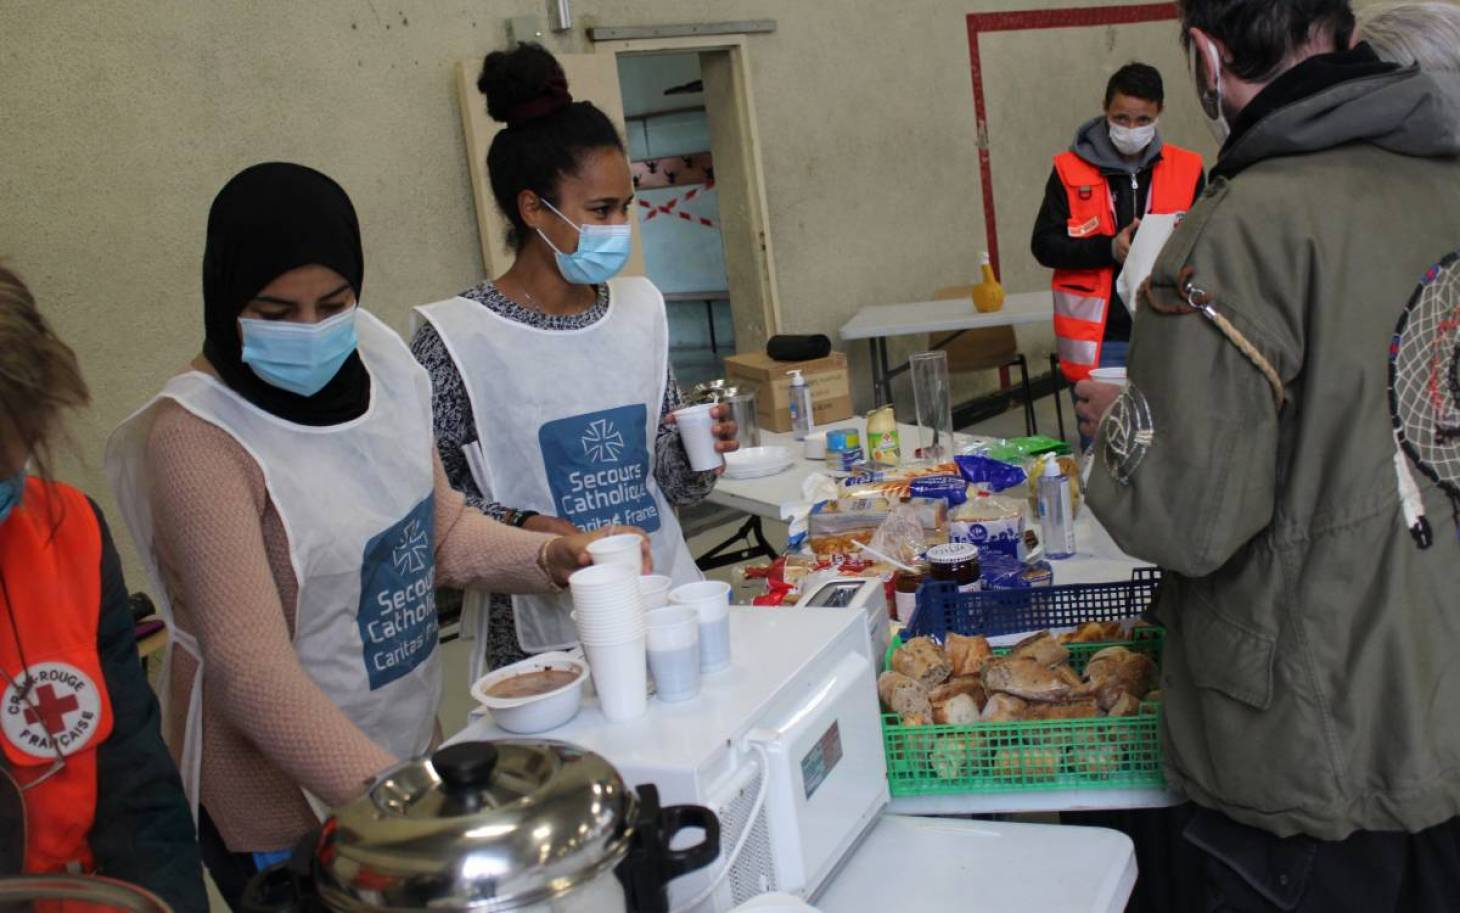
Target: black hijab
column 267, row 220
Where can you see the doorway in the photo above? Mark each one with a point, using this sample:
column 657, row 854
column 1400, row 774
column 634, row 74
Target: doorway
column 667, row 130
column 690, row 128
column 718, row 278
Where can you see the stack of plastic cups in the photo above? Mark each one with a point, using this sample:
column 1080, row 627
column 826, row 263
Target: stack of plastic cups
column 711, row 601
column 610, row 620
column 674, row 652
column 654, row 591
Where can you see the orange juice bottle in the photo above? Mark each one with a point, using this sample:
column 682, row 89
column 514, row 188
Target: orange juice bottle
column 988, row 295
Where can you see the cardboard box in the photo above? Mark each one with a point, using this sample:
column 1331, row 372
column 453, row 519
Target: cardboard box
column 831, row 387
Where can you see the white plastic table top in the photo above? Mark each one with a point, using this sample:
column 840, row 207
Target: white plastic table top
column 949, row 315
column 997, row 866
column 1098, row 559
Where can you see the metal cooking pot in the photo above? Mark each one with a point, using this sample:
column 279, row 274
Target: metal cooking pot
column 26, row 893
column 741, row 401
column 530, row 826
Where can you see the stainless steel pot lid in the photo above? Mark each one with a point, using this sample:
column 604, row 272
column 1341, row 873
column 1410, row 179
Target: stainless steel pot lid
column 22, row 892
column 480, row 826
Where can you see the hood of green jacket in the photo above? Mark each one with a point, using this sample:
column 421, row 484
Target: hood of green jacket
column 1404, row 111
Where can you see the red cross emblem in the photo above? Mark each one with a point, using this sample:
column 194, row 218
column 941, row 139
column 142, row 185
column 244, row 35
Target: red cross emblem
column 50, row 710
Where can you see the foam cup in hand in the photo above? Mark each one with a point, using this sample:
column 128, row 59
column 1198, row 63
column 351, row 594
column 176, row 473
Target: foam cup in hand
column 622, row 548
column 697, row 432
column 1114, row 376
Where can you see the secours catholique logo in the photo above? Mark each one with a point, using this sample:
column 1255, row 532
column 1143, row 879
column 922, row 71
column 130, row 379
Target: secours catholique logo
column 598, row 468
column 602, row 442
column 62, row 708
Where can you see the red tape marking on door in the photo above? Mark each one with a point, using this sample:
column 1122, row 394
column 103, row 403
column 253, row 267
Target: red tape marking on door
column 668, row 208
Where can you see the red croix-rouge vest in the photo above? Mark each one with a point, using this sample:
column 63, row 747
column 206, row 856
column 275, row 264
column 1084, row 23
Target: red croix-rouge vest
column 50, row 554
column 1082, row 296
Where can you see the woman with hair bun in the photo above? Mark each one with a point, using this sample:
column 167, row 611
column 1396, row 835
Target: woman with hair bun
column 557, row 373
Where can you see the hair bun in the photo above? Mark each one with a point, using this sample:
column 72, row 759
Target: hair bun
column 523, row 84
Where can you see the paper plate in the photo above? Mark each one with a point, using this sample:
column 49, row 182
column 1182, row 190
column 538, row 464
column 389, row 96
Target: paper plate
column 756, row 462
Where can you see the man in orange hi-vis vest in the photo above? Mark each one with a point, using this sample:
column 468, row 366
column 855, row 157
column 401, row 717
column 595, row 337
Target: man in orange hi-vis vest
column 1116, row 171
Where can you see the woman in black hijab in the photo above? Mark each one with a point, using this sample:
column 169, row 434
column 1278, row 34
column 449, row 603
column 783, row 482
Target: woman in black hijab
column 268, row 220
column 287, row 495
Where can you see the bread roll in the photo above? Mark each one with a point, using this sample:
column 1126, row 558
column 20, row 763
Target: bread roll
column 1026, row 677
column 1115, row 671
column 922, row 659
column 1126, row 705
column 960, row 684
column 1098, row 762
column 1072, row 710
column 954, row 757
column 958, row 710
column 1003, row 708
column 1027, row 764
column 1042, row 648
column 902, row 694
column 967, row 654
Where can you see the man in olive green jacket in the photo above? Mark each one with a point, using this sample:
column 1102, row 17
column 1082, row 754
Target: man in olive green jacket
column 1312, row 666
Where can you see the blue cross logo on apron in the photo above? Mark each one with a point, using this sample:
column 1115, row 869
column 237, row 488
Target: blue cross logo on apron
column 598, row 468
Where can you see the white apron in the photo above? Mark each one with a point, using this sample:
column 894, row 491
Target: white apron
column 566, row 420
column 357, row 503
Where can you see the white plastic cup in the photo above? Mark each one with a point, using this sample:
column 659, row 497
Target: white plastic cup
column 606, row 602
column 697, row 431
column 609, row 631
column 816, row 445
column 711, row 601
column 1113, row 376
column 673, row 641
column 654, row 591
column 621, row 677
column 621, row 548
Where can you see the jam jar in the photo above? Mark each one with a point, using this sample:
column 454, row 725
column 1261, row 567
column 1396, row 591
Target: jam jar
column 957, row 562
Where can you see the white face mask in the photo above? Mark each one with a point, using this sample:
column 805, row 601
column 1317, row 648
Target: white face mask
column 1211, row 101
column 1131, row 140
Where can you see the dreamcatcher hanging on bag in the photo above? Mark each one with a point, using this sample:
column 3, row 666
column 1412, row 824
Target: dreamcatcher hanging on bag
column 1424, row 393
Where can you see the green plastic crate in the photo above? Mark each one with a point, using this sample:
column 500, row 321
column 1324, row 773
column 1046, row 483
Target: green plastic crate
column 1103, row 753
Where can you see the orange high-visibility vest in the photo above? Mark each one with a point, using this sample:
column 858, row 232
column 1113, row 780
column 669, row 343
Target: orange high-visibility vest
column 50, row 554
column 1082, row 296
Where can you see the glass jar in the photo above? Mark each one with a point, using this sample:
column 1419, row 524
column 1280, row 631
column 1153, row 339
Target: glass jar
column 957, row 562
column 905, row 592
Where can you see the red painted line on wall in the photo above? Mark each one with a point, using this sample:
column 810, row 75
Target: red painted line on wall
column 1020, row 20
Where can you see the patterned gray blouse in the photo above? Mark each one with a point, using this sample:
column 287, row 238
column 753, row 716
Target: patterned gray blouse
column 455, row 427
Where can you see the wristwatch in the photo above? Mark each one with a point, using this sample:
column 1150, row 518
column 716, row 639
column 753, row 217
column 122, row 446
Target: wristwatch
column 520, row 517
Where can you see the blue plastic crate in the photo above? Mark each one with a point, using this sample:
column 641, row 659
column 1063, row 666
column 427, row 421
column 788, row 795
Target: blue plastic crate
column 941, row 608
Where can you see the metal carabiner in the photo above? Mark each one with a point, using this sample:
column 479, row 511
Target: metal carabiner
column 1198, row 300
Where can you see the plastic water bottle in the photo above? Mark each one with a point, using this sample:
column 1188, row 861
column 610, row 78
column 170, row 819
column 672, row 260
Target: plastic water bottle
column 1056, row 511
column 801, row 410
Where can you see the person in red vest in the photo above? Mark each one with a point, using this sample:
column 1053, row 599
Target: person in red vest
column 1117, row 170
column 86, row 781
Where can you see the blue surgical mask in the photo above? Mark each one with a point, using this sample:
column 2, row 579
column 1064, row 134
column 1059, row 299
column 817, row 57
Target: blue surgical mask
column 602, row 251
column 11, row 490
column 298, row 357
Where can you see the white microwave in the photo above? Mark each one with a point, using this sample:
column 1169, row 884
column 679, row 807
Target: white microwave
column 785, row 747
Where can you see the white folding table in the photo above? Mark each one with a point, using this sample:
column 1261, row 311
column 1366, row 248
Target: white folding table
column 879, row 321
